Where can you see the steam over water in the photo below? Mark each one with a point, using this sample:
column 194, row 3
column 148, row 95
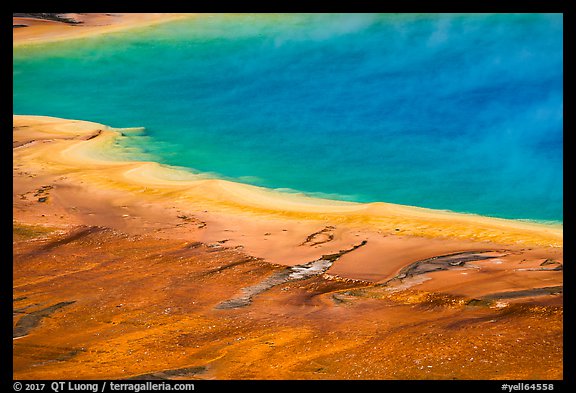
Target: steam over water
column 456, row 112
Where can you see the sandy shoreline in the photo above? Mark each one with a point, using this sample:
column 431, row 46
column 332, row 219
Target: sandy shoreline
column 283, row 229
column 232, row 281
column 38, row 31
column 229, row 196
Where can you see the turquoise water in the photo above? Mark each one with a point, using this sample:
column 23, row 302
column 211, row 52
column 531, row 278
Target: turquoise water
column 455, row 112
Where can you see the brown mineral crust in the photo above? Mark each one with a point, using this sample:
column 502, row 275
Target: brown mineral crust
column 119, row 274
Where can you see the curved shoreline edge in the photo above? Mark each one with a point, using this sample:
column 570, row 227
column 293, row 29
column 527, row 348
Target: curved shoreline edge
column 239, row 197
column 33, row 31
column 85, row 149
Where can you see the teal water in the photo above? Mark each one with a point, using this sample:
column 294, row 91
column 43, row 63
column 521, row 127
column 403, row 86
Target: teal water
column 454, row 112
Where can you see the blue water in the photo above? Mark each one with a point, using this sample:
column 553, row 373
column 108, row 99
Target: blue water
column 455, row 112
